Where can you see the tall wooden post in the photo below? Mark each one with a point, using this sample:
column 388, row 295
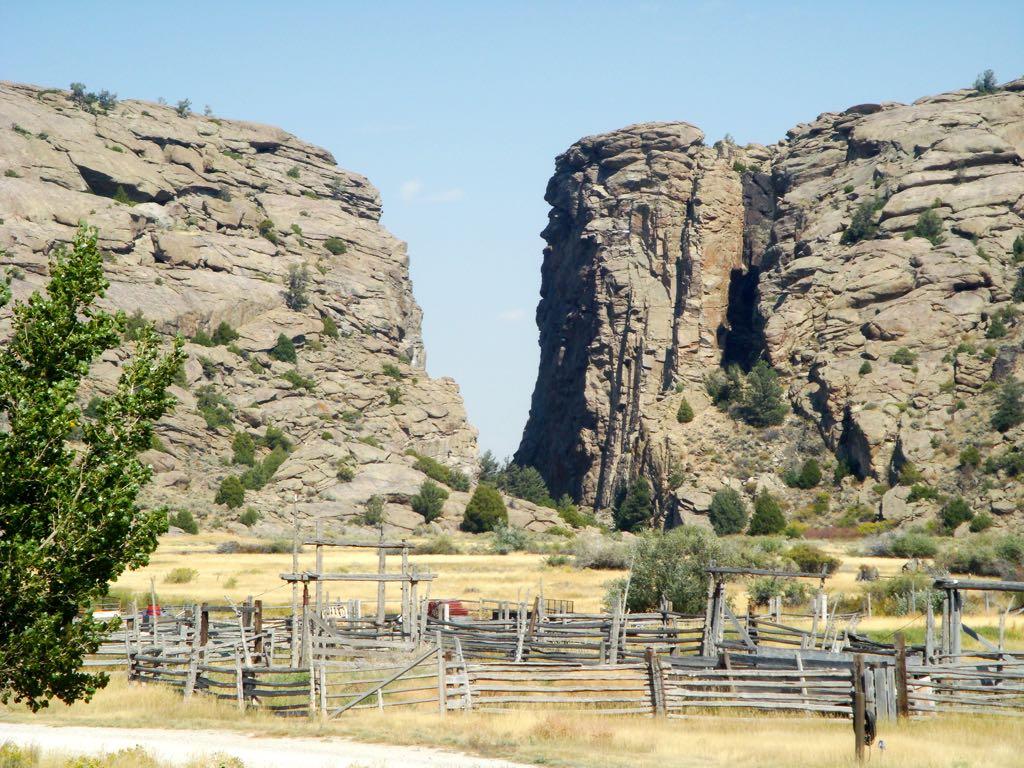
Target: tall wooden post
column 204, row 625
column 929, row 634
column 902, row 693
column 859, row 707
column 382, row 556
column 405, row 592
column 258, row 630
column 295, row 589
column 319, row 568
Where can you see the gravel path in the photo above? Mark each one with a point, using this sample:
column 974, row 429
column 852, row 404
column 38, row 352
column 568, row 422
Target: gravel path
column 180, row 746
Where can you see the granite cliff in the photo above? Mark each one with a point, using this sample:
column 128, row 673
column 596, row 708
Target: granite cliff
column 668, row 259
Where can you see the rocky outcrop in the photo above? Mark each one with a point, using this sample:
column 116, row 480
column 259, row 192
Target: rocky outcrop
column 202, row 220
column 667, row 259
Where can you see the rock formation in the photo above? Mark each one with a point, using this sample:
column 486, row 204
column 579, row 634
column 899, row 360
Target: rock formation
column 203, row 221
column 667, row 259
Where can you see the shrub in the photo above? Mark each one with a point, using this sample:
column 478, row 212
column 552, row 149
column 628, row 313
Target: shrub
column 181, row 576
column 929, row 226
column 572, row 514
column 230, row 492
column 981, row 522
column 392, row 370
column 808, row 477
column 429, row 502
column 996, row 328
column 901, row 593
column 394, row 395
column 862, row 225
column 767, row 519
column 296, row 295
column 284, row 350
column 524, row 483
column 335, row 245
column 435, row 470
column 557, row 561
column 986, row 82
column 1009, row 410
column 202, row 338
column 345, row 472
column 762, row 402
column 725, row 387
column 954, row 512
column 970, row 457
column 903, row 356
column 373, row 511
column 865, row 368
column 224, row 334
column 249, row 518
column 636, row 508
column 920, row 491
column 509, row 540
column 183, row 519
column 243, row 449
column 811, row 559
column 599, row 552
column 298, row 381
column 293, row 172
column 442, row 544
column 684, row 415
column 330, row 327
column 214, row 407
column 728, row 513
column 485, row 511
column 183, row 108
column 913, row 544
column 275, row 547
column 909, row 474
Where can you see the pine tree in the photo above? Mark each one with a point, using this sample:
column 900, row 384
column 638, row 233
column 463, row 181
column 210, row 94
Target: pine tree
column 1009, row 406
column 70, row 521
column 636, row 510
column 762, row 404
column 685, row 413
column 485, row 511
column 728, row 513
column 767, row 518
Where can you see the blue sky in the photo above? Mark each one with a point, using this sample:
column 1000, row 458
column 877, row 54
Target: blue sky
column 457, row 110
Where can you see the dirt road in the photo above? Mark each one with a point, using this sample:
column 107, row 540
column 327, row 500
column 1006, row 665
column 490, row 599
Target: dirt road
column 179, row 747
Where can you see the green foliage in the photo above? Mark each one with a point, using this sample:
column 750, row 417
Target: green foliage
column 524, row 483
column 762, row 403
column 214, row 407
column 134, row 325
column 224, row 334
column 1018, row 248
column 183, row 108
column 909, row 474
column 1009, row 410
column 903, row 594
column 509, row 540
column 808, row 477
column 435, row 470
column 69, row 514
column 120, row 196
column 298, row 381
column 728, row 512
column 249, row 518
column 184, row 519
column 181, row 576
column 284, row 350
column 970, row 457
column 684, row 415
column 841, row 471
column 330, row 327
column 636, row 509
column 903, row 356
column 725, row 387
column 230, row 492
column 202, row 338
column 101, row 102
column 267, row 230
column 996, row 328
column 392, row 370
column 985, row 554
column 792, row 592
column 572, row 514
column 811, row 559
column 913, row 543
column 863, row 225
column 373, row 511
column 394, row 395
column 985, row 83
column 296, row 294
column 293, row 172
column 920, row 491
column 345, row 472
column 865, row 368
column 430, row 500
column 767, row 519
column 981, row 522
column 954, row 512
column 485, row 511
column 335, row 245
column 929, row 226
column 442, row 544
column 243, row 449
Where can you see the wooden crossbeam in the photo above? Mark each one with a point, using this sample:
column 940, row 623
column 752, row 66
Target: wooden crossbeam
column 396, row 577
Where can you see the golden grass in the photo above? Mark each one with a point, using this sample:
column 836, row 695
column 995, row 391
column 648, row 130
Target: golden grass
column 571, row 739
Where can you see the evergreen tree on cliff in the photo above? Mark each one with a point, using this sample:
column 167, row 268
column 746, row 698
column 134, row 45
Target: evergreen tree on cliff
column 69, row 522
column 763, row 404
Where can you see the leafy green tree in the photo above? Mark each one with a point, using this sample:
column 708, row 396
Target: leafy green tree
column 954, row 512
column 296, row 295
column 429, row 502
column 485, row 511
column 862, row 226
column 684, row 415
column 767, row 519
column 929, row 226
column 1009, row 406
column 224, row 334
column 243, row 449
column 373, row 511
column 230, row 492
column 762, row 403
column 728, row 513
column 69, row 519
column 284, row 350
column 636, row 509
column 986, row 82
column 808, row 477
column 184, row 519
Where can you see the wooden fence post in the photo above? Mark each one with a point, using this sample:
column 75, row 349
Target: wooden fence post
column 239, row 684
column 657, row 682
column 258, row 644
column 902, row 694
column 859, row 708
column 442, row 678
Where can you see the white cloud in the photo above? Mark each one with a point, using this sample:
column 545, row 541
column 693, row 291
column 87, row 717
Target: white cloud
column 512, row 315
column 414, row 191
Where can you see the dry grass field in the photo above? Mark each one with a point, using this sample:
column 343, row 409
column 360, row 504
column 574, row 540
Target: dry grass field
column 569, row 739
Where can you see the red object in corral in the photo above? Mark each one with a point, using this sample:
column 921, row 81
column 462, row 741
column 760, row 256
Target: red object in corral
column 455, row 608
column 154, row 610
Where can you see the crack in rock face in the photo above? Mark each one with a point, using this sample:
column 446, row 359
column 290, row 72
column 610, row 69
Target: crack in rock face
column 667, row 260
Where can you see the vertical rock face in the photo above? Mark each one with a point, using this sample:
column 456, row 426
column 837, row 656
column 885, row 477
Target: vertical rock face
column 202, row 219
column 644, row 235
column 667, row 259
